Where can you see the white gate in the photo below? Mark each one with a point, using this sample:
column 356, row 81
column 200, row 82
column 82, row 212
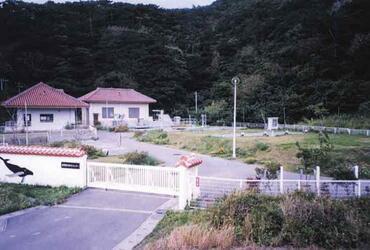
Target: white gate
column 149, row 179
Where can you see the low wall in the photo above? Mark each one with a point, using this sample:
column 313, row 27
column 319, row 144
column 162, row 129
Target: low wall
column 43, row 166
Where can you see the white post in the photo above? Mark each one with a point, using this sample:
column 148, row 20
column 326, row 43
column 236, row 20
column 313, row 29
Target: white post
column 184, row 184
column 356, row 172
column 359, row 188
column 234, row 132
column 281, row 179
column 357, row 175
column 318, row 180
column 26, row 120
column 3, row 140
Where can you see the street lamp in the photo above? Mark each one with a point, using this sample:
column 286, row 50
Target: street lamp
column 235, row 81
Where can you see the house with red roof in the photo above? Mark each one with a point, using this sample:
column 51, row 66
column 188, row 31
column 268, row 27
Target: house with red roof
column 114, row 106
column 43, row 107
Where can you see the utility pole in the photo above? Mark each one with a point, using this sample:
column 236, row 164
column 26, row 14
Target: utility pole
column 235, row 81
column 196, row 102
column 26, row 121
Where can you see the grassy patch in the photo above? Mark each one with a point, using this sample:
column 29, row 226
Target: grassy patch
column 133, row 158
column 14, row 197
column 295, row 220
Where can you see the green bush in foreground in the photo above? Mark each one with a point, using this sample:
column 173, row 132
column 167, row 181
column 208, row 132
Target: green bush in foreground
column 14, row 197
column 139, row 158
column 298, row 220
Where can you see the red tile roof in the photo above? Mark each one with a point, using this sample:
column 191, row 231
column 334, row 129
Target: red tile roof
column 44, row 151
column 188, row 161
column 42, row 95
column 116, row 95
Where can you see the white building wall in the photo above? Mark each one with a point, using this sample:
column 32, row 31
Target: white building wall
column 119, row 109
column 47, row 170
column 62, row 117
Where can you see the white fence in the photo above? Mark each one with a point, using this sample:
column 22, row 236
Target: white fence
column 304, row 128
column 148, row 179
column 157, row 180
column 212, row 189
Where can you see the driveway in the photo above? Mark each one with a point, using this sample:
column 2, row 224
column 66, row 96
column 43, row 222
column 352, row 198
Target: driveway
column 93, row 219
column 212, row 166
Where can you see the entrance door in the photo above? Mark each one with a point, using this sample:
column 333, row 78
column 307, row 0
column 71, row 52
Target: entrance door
column 96, row 118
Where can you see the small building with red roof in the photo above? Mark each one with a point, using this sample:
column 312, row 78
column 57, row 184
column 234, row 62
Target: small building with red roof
column 115, row 106
column 43, row 107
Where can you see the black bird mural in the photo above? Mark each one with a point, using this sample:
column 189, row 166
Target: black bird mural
column 17, row 170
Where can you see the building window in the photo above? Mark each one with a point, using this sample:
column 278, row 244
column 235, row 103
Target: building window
column 108, row 112
column 133, row 112
column 46, row 118
column 27, row 122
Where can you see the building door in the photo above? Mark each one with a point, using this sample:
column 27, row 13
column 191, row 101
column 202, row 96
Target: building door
column 96, row 118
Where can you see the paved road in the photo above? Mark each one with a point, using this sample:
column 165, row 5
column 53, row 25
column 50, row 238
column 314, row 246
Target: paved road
column 93, row 219
column 212, row 166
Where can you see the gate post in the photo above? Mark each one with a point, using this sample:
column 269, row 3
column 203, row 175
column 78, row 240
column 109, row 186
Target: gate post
column 184, row 181
column 188, row 184
column 281, row 180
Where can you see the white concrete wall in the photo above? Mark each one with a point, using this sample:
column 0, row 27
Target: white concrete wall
column 46, row 170
column 62, row 117
column 119, row 109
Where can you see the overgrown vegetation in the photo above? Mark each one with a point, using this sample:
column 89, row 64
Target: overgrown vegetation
column 153, row 136
column 91, row 151
column 298, row 57
column 336, row 157
column 14, row 197
column 250, row 219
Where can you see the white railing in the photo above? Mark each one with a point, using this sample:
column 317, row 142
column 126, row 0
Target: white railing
column 212, row 189
column 150, row 179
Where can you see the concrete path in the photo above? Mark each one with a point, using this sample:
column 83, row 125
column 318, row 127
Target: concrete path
column 212, row 166
column 93, row 219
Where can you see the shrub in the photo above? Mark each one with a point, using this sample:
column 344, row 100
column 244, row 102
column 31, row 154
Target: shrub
column 261, row 146
column 139, row 158
column 121, row 129
column 154, row 136
column 92, row 152
column 250, row 160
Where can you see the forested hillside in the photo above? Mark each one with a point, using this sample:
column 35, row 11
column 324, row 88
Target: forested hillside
column 306, row 57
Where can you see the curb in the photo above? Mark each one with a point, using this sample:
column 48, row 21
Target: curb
column 147, row 226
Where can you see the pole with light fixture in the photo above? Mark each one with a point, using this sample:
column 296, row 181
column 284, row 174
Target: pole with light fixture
column 235, row 81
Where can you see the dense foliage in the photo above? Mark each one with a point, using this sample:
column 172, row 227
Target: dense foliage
column 296, row 220
column 296, row 58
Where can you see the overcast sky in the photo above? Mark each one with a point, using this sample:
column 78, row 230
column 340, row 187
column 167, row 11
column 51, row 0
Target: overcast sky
column 162, row 3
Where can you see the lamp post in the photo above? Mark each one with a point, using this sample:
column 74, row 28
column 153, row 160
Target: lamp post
column 235, row 81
